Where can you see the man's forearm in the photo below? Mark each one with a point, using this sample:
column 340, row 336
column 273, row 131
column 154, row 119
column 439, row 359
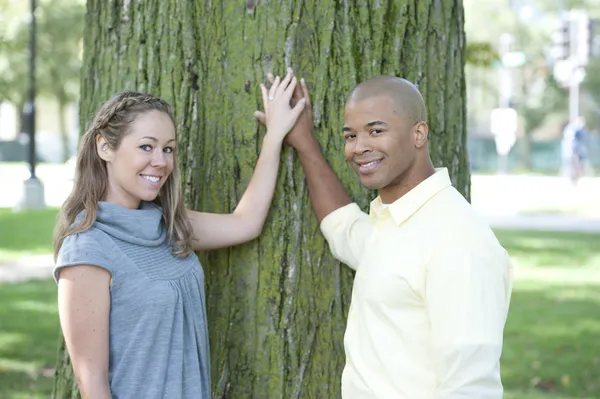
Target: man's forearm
column 325, row 189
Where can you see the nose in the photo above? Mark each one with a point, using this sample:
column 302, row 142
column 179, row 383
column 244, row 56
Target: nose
column 361, row 145
column 158, row 159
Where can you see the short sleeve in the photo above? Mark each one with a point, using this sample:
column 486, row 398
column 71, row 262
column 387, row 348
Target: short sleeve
column 468, row 296
column 346, row 230
column 87, row 248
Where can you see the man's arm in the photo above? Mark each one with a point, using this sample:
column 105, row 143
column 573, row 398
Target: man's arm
column 346, row 230
column 468, row 294
column 325, row 189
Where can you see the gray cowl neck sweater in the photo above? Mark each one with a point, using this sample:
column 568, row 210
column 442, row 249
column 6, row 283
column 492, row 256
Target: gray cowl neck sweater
column 158, row 334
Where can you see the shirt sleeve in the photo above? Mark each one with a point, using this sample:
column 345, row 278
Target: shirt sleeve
column 347, row 230
column 84, row 248
column 468, row 293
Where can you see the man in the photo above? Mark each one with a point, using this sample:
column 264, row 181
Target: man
column 432, row 285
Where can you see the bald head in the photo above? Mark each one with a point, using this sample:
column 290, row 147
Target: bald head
column 406, row 97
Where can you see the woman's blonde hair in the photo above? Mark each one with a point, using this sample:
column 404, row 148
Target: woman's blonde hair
column 112, row 122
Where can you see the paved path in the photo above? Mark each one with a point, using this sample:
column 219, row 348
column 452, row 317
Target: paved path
column 27, row 268
column 546, row 223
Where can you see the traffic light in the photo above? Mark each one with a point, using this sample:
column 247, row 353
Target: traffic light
column 561, row 40
column 581, row 38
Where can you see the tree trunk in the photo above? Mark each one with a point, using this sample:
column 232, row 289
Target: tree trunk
column 65, row 386
column 277, row 306
column 62, row 123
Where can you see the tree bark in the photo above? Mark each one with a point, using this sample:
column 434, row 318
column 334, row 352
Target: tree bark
column 277, row 306
column 62, row 123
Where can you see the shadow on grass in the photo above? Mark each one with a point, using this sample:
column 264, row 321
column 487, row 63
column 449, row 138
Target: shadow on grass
column 551, row 249
column 29, row 329
column 552, row 342
column 26, row 232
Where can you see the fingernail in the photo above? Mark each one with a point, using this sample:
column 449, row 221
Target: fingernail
column 302, row 80
column 290, row 70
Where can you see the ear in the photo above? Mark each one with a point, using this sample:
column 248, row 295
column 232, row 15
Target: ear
column 421, row 132
column 103, row 149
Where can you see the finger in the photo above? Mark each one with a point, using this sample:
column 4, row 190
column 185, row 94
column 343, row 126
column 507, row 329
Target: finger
column 305, row 92
column 287, row 94
column 284, row 84
column 298, row 109
column 261, row 117
column 291, row 71
column 274, row 87
column 298, row 94
column 265, row 95
column 270, row 77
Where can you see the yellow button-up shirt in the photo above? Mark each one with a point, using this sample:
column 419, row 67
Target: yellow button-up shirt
column 430, row 297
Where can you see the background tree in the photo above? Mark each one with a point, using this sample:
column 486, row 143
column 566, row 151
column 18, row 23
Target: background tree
column 59, row 33
column 60, row 49
column 277, row 306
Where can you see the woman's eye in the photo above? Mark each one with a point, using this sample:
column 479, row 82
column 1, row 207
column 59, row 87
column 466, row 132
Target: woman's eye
column 168, row 150
column 146, row 147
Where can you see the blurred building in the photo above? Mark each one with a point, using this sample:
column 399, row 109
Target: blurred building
column 49, row 138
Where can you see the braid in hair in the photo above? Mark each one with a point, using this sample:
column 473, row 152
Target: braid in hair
column 112, row 122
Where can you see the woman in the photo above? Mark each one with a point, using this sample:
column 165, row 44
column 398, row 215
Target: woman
column 130, row 288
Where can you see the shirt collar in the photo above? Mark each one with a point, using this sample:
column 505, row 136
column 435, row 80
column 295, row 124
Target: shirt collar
column 405, row 206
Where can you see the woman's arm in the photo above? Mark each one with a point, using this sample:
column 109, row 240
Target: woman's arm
column 84, row 307
column 211, row 230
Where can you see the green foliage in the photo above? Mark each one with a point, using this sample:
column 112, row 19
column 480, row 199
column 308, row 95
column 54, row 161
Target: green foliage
column 534, row 109
column 481, row 54
column 59, row 33
column 591, row 86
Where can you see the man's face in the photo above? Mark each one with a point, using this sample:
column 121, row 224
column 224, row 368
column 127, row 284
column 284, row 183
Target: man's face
column 380, row 145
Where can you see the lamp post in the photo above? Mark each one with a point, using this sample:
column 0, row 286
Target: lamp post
column 33, row 190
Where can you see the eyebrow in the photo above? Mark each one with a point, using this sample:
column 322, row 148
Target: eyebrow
column 370, row 124
column 154, row 139
column 375, row 123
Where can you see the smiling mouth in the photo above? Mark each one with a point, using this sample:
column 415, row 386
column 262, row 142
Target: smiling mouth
column 366, row 167
column 151, row 179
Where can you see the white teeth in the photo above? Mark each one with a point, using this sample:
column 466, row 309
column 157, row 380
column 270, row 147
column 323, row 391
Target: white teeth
column 369, row 164
column 153, row 179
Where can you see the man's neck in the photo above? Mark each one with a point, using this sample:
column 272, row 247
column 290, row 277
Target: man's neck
column 411, row 180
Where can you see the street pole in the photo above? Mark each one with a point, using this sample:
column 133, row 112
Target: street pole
column 33, row 190
column 574, row 98
column 31, row 93
column 573, row 81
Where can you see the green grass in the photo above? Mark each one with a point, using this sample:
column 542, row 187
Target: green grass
column 26, row 233
column 28, row 339
column 552, row 337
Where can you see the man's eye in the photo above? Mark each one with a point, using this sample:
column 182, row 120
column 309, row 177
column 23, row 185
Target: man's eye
column 376, row 131
column 349, row 137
